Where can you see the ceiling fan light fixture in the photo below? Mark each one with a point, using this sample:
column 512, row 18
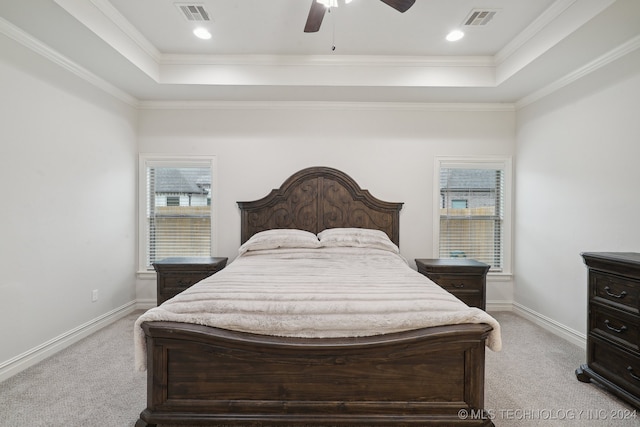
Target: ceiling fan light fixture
column 202, row 33
column 332, row 3
column 328, row 3
column 455, row 35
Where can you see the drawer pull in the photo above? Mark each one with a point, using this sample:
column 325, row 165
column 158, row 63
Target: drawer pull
column 634, row 376
column 611, row 294
column 458, row 286
column 611, row 328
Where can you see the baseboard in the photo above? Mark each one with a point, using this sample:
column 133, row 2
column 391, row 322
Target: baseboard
column 30, row 357
column 499, row 306
column 551, row 325
column 146, row 304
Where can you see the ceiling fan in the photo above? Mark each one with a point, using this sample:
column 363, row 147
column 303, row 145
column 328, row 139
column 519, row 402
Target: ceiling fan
column 316, row 14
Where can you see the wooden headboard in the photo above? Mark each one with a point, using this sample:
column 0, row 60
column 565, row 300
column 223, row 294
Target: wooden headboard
column 317, row 198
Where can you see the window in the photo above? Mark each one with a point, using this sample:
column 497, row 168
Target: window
column 177, row 212
column 473, row 214
column 171, row 200
column 459, row 204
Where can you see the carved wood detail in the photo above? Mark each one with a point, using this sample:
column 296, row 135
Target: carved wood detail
column 317, row 198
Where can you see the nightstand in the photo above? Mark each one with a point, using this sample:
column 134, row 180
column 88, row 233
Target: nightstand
column 463, row 277
column 174, row 275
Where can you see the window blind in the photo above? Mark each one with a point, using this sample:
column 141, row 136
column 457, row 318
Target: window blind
column 178, row 211
column 472, row 213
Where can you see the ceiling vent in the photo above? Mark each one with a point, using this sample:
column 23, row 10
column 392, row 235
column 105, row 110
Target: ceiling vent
column 193, row 12
column 479, row 17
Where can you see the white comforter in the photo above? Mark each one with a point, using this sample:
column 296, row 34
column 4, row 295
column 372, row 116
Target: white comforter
column 316, row 293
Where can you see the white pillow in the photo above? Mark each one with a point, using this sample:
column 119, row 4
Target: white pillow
column 357, row 237
column 280, row 238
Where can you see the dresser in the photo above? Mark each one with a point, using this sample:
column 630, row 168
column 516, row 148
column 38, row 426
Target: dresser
column 613, row 337
column 174, row 275
column 463, row 277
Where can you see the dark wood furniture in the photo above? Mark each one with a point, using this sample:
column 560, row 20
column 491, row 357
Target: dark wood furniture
column 176, row 274
column 465, row 278
column 318, row 198
column 208, row 376
column 613, row 339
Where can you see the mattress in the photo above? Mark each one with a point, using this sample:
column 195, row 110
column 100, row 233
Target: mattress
column 320, row 292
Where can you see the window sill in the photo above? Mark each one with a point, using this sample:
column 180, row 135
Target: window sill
column 146, row 275
column 500, row 277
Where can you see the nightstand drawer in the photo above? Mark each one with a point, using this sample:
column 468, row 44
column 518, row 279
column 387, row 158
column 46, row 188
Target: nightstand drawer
column 174, row 275
column 183, row 280
column 472, row 299
column 454, row 283
column 465, row 278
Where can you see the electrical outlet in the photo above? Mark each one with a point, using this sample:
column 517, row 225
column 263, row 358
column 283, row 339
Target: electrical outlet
column 94, row 295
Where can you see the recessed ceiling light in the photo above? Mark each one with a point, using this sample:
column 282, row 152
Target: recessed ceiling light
column 202, row 33
column 455, row 35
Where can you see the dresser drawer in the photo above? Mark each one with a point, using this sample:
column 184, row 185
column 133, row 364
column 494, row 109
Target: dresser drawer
column 613, row 341
column 615, row 325
column 615, row 290
column 617, row 365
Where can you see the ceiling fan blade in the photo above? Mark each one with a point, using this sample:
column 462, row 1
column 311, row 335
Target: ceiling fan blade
column 399, row 5
column 316, row 14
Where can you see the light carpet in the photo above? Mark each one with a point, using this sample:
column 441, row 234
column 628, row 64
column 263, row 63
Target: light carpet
column 531, row 382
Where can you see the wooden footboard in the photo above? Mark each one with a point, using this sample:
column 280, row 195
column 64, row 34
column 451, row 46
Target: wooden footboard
column 200, row 375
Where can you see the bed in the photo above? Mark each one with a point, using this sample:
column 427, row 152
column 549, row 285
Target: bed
column 281, row 337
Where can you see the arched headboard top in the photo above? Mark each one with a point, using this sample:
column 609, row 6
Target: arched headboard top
column 318, row 198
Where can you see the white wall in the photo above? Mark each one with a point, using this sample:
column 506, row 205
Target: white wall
column 577, row 178
column 67, row 220
column 389, row 152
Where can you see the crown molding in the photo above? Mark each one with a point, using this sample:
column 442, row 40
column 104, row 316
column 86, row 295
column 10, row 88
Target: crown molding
column 30, row 42
column 111, row 26
column 101, row 17
column 534, row 28
column 437, row 64
column 560, row 19
column 127, row 28
column 554, row 25
column 313, row 105
column 328, row 60
column 598, row 63
column 25, row 39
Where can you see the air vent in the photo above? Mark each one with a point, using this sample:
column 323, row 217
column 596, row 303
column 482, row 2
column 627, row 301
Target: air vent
column 193, row 12
column 479, row 17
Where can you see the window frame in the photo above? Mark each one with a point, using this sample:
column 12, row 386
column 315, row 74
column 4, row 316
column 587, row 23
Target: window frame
column 478, row 162
column 168, row 160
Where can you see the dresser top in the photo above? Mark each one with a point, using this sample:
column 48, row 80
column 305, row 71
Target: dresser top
column 625, row 257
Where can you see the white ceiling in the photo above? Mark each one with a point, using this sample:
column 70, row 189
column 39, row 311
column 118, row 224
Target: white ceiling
column 144, row 50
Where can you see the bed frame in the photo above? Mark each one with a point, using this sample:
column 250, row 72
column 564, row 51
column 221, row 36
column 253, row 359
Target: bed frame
column 199, row 375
